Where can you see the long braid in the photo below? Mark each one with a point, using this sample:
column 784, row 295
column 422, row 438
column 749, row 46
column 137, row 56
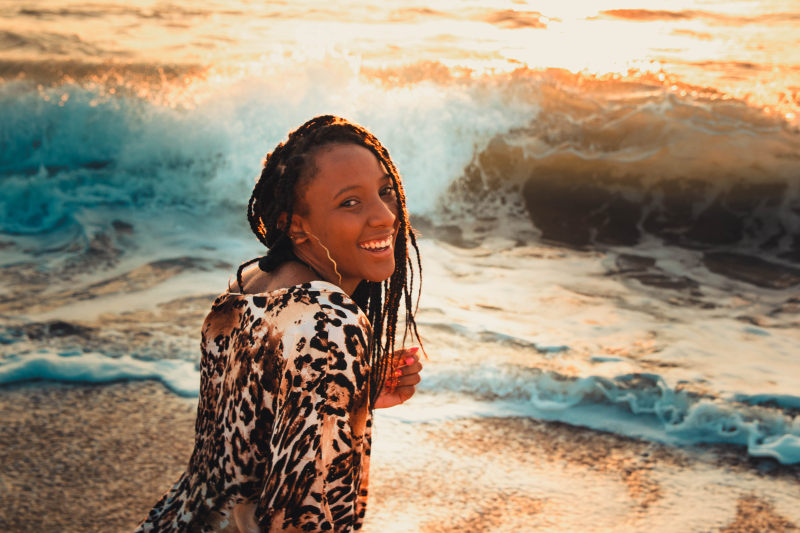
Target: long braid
column 273, row 203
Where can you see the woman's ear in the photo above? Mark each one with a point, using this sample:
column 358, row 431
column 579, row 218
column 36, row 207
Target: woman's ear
column 297, row 230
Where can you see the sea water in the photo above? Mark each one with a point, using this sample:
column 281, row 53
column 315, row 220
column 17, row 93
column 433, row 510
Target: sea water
column 607, row 199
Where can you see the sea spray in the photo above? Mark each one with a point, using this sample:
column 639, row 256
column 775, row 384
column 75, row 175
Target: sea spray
column 604, row 164
column 607, row 167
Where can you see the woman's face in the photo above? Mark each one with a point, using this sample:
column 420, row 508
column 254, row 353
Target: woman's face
column 350, row 207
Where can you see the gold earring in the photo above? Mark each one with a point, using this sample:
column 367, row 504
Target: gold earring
column 335, row 267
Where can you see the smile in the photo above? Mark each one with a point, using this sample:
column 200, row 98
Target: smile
column 377, row 245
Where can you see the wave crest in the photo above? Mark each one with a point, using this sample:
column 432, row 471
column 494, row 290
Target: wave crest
column 639, row 405
column 611, row 162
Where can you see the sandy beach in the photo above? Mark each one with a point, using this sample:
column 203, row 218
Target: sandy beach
column 79, row 458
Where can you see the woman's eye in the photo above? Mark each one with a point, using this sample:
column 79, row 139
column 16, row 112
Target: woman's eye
column 388, row 190
column 349, row 203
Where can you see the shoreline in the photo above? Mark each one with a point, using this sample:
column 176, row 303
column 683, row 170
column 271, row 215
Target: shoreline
column 78, row 457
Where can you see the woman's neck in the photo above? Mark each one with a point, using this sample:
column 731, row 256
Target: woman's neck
column 288, row 274
column 325, row 269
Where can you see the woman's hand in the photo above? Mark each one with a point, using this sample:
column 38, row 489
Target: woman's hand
column 403, row 375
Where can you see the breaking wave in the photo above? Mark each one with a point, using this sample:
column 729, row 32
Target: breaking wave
column 589, row 160
column 637, row 405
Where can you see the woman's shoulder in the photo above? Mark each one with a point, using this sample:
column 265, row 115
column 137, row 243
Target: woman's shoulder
column 303, row 310
column 304, row 299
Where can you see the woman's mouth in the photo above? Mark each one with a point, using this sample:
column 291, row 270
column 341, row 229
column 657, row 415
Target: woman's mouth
column 377, row 246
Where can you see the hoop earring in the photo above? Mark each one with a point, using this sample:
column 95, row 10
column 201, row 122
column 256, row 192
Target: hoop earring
column 335, row 266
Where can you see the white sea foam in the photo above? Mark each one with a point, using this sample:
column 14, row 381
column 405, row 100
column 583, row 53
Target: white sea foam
column 637, row 406
column 180, row 376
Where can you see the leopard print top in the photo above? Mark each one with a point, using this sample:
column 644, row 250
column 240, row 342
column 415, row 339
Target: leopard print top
column 283, row 421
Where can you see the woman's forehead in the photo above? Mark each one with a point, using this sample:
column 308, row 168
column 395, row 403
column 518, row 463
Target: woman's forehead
column 336, row 163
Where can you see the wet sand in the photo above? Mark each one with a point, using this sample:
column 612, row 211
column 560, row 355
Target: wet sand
column 97, row 457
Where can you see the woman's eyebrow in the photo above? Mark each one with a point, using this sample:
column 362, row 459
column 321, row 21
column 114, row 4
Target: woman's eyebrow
column 345, row 189
column 386, row 176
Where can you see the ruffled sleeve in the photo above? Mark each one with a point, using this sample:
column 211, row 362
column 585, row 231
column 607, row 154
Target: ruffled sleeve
column 318, row 452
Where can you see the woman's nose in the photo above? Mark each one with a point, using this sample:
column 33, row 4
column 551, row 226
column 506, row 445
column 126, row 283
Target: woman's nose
column 381, row 214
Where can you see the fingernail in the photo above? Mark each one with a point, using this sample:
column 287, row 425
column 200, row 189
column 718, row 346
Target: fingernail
column 413, row 349
column 409, row 360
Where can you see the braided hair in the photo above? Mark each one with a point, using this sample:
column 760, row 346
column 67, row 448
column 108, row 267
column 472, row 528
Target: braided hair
column 276, row 195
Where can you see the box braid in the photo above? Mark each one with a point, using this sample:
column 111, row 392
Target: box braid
column 276, row 193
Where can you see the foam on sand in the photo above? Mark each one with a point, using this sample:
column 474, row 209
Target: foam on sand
column 639, row 406
column 179, row 376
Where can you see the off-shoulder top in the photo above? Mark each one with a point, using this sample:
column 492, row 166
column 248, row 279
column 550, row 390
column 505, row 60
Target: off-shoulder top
column 282, row 437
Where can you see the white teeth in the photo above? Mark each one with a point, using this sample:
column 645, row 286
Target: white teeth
column 377, row 245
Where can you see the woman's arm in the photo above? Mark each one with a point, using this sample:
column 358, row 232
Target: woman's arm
column 319, row 445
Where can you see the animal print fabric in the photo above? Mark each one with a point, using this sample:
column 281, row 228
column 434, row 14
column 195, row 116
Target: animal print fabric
column 283, row 428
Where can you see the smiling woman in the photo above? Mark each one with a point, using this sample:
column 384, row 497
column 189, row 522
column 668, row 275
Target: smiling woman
column 355, row 212
column 301, row 349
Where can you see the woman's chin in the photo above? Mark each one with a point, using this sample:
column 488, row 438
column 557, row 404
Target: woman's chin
column 380, row 275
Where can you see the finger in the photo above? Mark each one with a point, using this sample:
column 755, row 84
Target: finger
column 406, row 381
column 406, row 392
column 415, row 368
column 411, row 350
column 400, row 380
column 406, row 356
column 409, row 360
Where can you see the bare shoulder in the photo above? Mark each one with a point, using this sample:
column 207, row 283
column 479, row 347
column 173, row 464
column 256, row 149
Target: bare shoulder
column 289, row 274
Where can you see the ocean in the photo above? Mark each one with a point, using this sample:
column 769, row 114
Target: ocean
column 607, row 196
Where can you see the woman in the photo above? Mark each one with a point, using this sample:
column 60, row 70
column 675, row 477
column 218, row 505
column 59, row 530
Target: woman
column 301, row 349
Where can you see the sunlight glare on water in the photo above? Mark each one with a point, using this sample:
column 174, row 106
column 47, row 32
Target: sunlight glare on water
column 743, row 49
